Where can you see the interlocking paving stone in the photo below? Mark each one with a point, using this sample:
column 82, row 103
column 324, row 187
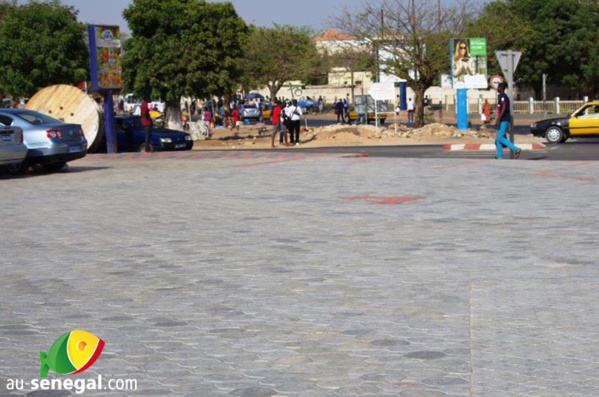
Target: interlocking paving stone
column 252, row 274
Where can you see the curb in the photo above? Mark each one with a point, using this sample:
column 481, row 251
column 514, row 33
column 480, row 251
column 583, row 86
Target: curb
column 491, row 146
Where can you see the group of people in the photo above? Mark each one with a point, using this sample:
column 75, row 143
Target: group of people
column 342, row 111
column 285, row 118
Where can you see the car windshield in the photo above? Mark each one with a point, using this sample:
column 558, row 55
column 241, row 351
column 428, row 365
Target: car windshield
column 36, row 118
column 251, row 106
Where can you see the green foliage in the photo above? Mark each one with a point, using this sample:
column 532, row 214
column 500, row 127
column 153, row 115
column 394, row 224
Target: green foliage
column 556, row 37
column 279, row 54
column 41, row 44
column 182, row 47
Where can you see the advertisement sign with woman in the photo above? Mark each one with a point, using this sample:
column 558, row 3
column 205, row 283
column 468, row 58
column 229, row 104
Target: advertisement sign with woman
column 469, row 63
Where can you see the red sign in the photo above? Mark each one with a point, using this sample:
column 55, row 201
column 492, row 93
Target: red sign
column 494, row 81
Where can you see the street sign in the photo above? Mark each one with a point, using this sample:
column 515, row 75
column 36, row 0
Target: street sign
column 383, row 91
column 495, row 80
column 508, row 60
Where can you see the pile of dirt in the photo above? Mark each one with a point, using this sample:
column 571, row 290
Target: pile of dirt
column 393, row 132
column 259, row 136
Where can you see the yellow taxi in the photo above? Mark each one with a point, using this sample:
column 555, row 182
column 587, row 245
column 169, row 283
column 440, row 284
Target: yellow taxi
column 370, row 117
column 584, row 122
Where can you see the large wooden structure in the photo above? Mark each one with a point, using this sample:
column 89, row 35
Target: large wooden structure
column 71, row 105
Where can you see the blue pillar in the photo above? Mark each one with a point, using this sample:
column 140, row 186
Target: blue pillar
column 402, row 96
column 109, row 122
column 462, row 115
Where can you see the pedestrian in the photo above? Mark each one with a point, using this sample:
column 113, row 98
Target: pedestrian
column 339, row 111
column 275, row 119
column 294, row 112
column 285, row 124
column 486, row 112
column 146, row 122
column 410, row 110
column 235, row 119
column 504, row 118
column 207, row 119
column 346, row 110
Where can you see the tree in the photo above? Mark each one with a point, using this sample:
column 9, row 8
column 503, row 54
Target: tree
column 558, row 38
column 279, row 54
column 412, row 36
column 182, row 48
column 41, row 44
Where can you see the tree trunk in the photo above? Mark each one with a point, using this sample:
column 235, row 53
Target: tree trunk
column 174, row 119
column 419, row 106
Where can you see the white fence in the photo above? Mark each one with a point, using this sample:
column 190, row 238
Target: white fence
column 555, row 106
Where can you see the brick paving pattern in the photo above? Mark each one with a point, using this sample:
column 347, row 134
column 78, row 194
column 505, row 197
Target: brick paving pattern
column 286, row 274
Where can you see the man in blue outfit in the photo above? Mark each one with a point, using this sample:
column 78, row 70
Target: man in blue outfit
column 503, row 121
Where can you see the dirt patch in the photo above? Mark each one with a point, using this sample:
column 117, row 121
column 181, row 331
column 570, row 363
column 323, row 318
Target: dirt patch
column 259, row 136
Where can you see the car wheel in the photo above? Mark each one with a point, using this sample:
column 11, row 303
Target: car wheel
column 554, row 135
column 53, row 167
column 18, row 168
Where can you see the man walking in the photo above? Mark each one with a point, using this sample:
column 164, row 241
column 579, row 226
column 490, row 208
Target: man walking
column 503, row 121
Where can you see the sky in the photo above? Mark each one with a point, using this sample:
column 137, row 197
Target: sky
column 313, row 13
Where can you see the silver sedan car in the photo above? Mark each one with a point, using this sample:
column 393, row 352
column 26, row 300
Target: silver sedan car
column 50, row 142
column 12, row 148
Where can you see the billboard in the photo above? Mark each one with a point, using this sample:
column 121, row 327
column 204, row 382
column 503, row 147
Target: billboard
column 105, row 57
column 469, row 63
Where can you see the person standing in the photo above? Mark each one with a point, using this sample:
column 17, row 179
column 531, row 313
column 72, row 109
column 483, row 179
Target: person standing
column 294, row 112
column 486, row 112
column 276, row 122
column 346, row 110
column 410, row 110
column 503, row 121
column 146, row 122
column 339, row 111
column 235, row 123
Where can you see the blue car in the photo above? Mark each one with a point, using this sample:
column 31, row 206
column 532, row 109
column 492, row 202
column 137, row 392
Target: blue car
column 309, row 104
column 131, row 136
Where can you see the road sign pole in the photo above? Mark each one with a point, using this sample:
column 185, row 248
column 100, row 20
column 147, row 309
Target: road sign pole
column 510, row 85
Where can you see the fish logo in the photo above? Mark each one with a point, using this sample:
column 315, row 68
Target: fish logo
column 72, row 353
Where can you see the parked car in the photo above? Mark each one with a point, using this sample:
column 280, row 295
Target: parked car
column 12, row 148
column 250, row 111
column 131, row 136
column 370, row 117
column 584, row 122
column 50, row 142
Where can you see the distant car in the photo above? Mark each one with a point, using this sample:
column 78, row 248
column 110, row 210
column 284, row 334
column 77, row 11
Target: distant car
column 584, row 122
column 50, row 142
column 12, row 148
column 310, row 105
column 370, row 117
column 250, row 111
column 131, row 136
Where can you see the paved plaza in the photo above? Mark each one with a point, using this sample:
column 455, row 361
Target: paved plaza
column 313, row 275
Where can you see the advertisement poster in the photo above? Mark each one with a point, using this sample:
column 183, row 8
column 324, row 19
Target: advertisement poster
column 469, row 63
column 108, row 57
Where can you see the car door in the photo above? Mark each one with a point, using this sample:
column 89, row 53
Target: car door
column 585, row 121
